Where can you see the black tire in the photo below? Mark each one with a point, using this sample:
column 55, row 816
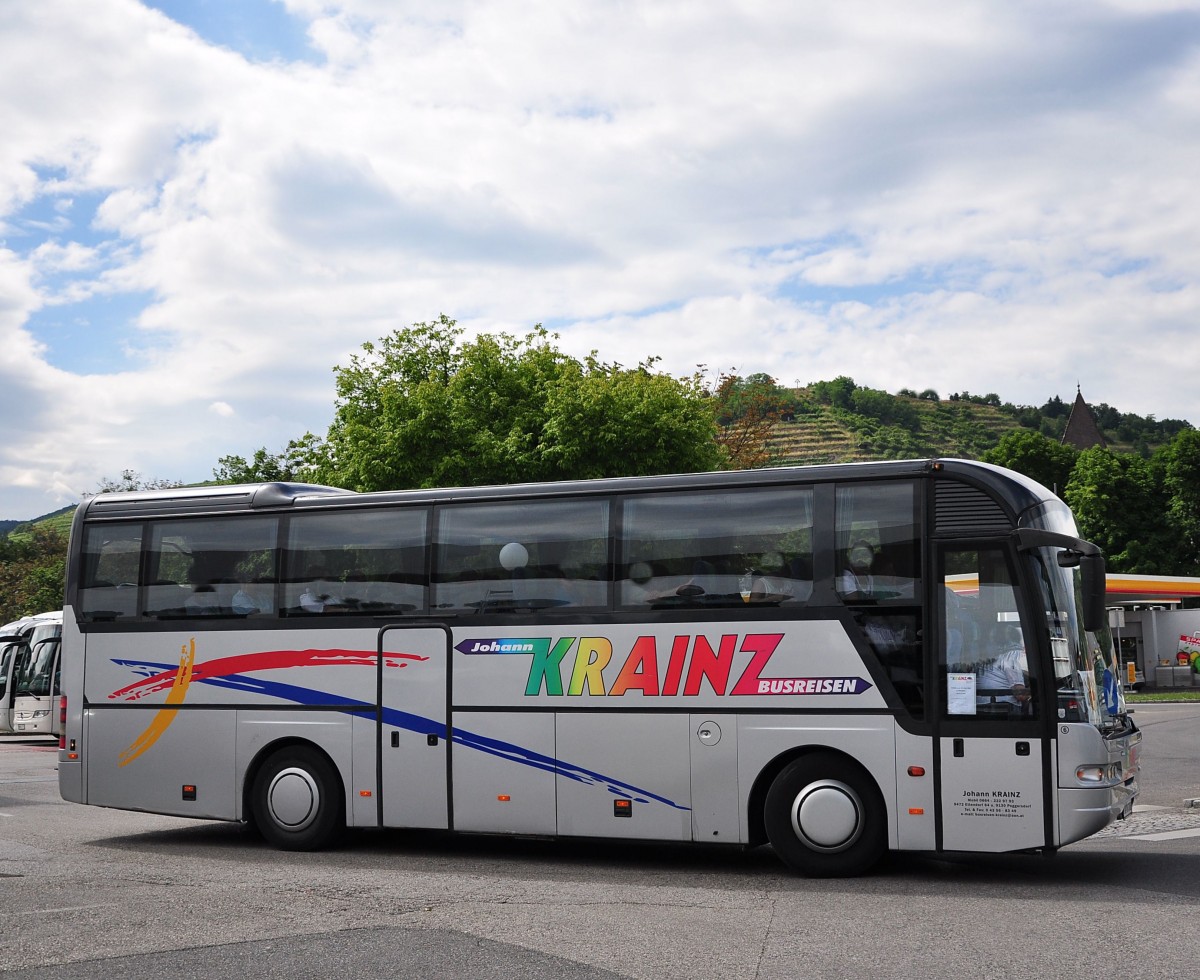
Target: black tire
column 297, row 802
column 825, row 817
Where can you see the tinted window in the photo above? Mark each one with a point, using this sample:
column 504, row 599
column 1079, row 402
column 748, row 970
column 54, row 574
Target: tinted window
column 878, row 549
column 727, row 548
column 988, row 672
column 211, row 567
column 109, row 576
column 369, row 561
column 522, row 556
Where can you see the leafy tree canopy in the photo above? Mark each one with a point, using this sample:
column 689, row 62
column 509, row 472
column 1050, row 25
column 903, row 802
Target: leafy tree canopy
column 32, row 573
column 132, row 480
column 747, row 410
column 1181, row 480
column 1039, row 458
column 1120, row 504
column 423, row 407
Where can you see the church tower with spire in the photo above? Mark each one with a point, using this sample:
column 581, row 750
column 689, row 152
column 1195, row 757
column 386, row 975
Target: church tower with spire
column 1082, row 432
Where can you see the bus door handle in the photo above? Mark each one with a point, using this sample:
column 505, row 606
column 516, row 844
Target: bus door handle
column 429, row 740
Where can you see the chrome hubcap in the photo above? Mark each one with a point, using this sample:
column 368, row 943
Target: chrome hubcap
column 827, row 816
column 293, row 798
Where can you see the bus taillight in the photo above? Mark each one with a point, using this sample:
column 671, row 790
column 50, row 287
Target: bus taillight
column 62, row 722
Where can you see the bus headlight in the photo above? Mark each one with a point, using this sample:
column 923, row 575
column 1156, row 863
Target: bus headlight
column 1099, row 775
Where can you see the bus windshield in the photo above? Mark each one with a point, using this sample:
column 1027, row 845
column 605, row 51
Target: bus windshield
column 1085, row 669
column 37, row 676
column 9, row 646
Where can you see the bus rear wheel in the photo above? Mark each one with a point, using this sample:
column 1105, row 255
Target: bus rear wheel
column 297, row 800
column 825, row 818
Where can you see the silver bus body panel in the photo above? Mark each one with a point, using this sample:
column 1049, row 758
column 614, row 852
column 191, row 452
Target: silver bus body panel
column 570, row 739
column 493, row 795
column 868, row 740
column 616, row 756
column 1084, row 809
column 992, row 795
column 71, row 759
column 536, row 755
column 414, row 725
column 194, row 752
column 916, row 801
column 255, row 732
column 718, row 800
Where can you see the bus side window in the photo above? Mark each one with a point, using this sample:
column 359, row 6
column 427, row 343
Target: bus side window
column 878, row 547
column 701, row 549
column 108, row 585
column 211, row 567
column 895, row 638
column 522, row 557
column 370, row 561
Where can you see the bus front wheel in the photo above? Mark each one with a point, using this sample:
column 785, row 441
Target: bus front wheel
column 297, row 800
column 825, row 818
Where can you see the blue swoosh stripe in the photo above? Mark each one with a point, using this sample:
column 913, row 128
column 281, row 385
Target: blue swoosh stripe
column 422, row 726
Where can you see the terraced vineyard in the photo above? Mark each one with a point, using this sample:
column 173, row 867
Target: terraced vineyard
column 814, row 439
column 947, row 428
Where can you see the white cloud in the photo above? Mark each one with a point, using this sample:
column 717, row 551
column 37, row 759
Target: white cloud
column 991, row 196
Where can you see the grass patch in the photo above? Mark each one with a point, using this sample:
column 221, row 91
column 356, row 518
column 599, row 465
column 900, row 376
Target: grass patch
column 1148, row 697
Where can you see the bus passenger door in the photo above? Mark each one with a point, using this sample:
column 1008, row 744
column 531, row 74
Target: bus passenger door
column 991, row 797
column 991, row 738
column 413, row 749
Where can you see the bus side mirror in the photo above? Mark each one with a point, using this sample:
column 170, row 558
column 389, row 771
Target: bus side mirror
column 1095, row 602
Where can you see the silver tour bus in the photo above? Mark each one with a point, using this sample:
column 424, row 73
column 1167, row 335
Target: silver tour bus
column 833, row 660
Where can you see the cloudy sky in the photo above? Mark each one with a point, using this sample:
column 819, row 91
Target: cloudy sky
column 206, row 205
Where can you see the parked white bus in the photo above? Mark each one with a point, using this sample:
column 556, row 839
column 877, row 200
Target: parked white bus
column 833, row 660
column 29, row 675
column 35, row 706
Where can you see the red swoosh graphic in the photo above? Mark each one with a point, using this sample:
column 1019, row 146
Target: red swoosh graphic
column 265, row 660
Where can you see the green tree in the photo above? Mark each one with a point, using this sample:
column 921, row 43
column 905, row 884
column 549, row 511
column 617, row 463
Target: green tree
column 839, row 392
column 1039, row 458
column 756, row 395
column 1119, row 504
column 886, row 408
column 610, row 421
column 1181, row 479
column 747, row 411
column 423, row 408
column 299, row 461
column 132, row 480
column 32, row 573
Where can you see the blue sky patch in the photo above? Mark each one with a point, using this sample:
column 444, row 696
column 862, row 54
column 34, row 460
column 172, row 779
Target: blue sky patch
column 98, row 336
column 259, row 30
column 64, row 217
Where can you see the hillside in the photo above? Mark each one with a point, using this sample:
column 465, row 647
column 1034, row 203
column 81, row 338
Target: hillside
column 58, row 520
column 829, row 435
column 836, row 422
